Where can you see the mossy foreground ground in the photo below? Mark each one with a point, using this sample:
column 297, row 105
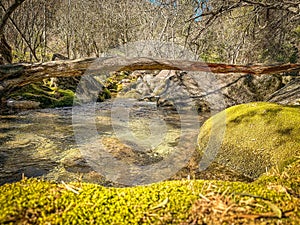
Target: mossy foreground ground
column 273, row 198
column 270, row 200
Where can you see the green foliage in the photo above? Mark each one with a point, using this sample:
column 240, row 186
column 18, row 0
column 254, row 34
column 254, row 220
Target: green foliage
column 212, row 55
column 296, row 32
column 287, row 53
column 113, row 83
column 20, row 56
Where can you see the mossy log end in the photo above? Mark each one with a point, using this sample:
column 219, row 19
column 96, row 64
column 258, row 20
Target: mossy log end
column 16, row 75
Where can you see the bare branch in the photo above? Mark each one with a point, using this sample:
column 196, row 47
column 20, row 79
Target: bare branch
column 8, row 13
column 293, row 7
column 218, row 12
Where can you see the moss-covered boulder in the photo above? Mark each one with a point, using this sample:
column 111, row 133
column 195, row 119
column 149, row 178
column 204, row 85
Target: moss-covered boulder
column 258, row 136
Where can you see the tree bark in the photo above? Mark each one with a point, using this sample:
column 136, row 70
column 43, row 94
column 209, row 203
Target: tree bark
column 17, row 75
column 5, row 51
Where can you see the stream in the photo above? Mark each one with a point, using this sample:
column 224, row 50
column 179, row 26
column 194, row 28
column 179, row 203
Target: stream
column 109, row 143
column 51, row 144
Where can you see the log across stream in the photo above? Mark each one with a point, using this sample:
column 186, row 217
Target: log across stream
column 17, row 75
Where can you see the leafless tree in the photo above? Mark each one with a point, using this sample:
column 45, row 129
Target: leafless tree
column 5, row 49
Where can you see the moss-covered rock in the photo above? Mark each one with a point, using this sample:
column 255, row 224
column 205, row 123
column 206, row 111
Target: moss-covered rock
column 47, row 96
column 60, row 92
column 33, row 201
column 259, row 136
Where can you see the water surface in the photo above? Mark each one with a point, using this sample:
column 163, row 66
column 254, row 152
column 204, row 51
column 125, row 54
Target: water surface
column 42, row 143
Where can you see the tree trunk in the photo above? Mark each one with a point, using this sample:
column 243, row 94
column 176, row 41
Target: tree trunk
column 5, row 49
column 17, row 75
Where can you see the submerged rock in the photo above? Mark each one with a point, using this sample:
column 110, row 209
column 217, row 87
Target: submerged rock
column 259, row 136
column 74, row 162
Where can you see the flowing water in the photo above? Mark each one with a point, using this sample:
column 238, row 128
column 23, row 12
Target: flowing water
column 59, row 144
column 113, row 143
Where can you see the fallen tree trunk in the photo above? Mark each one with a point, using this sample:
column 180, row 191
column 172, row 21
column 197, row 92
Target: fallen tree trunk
column 17, row 75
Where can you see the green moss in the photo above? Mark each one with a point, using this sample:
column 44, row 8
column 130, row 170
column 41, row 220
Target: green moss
column 105, row 94
column 114, row 82
column 47, row 96
column 50, row 95
column 258, row 137
column 288, row 180
column 34, row 201
column 66, row 98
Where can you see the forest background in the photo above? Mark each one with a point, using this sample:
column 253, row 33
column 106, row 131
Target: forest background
column 229, row 31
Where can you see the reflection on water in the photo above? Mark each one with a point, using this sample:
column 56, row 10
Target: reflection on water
column 41, row 143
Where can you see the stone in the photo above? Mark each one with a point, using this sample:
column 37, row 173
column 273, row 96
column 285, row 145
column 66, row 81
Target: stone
column 288, row 95
column 238, row 89
column 24, row 104
column 259, row 137
column 206, row 91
